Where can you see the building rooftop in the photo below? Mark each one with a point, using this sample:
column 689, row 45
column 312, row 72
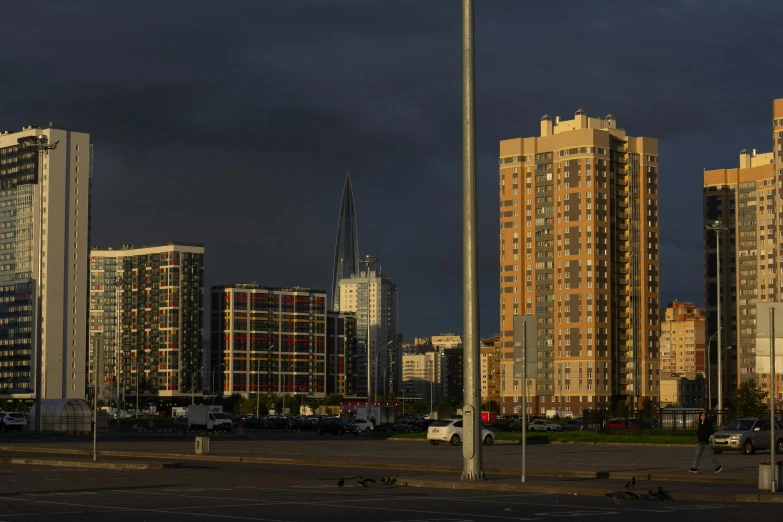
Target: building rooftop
column 256, row 286
column 157, row 245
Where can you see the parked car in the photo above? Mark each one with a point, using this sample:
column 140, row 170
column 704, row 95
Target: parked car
column 573, row 425
column 450, row 430
column 257, row 423
column 404, row 427
column 423, row 424
column 544, row 425
column 305, row 423
column 280, row 423
column 12, row 421
column 747, row 435
column 621, row 424
column 363, row 425
column 335, row 426
column 181, row 421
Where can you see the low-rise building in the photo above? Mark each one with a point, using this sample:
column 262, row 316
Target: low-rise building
column 686, row 390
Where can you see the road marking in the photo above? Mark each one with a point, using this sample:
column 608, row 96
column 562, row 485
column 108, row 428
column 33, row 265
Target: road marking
column 140, row 510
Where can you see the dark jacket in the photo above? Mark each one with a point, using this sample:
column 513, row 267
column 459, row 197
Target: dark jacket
column 704, row 431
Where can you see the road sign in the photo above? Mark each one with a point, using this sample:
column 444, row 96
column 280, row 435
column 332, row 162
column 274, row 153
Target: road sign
column 525, row 329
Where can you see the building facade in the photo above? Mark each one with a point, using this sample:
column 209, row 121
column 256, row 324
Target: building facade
column 147, row 320
column 448, row 340
column 682, row 339
column 579, row 250
column 346, row 250
column 268, row 340
column 684, row 390
column 341, row 375
column 380, row 305
column 490, row 369
column 45, row 177
column 746, row 201
column 422, row 376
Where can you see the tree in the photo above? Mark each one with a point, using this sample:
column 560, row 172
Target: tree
column 748, row 400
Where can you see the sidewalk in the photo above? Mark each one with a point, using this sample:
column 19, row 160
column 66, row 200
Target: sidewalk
column 693, row 490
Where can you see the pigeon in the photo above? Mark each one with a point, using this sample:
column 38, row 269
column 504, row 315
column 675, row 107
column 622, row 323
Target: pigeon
column 341, row 483
column 631, row 483
column 365, row 483
column 659, row 494
column 618, row 495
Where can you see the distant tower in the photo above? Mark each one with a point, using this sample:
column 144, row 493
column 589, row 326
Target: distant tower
column 346, row 251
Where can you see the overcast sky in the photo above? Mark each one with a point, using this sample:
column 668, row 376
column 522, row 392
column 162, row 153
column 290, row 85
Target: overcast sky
column 233, row 123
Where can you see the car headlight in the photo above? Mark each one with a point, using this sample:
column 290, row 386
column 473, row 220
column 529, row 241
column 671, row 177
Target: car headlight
column 735, row 437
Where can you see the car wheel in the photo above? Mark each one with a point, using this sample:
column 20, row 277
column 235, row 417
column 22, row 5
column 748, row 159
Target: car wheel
column 488, row 440
column 367, row 429
column 320, row 431
column 748, row 448
column 434, row 442
column 340, row 431
column 355, row 433
column 454, row 440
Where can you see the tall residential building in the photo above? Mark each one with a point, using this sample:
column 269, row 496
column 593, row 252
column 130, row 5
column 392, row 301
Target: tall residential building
column 448, row 340
column 346, row 250
column 747, row 201
column 422, row 376
column 489, row 351
column 381, row 307
column 579, row 250
column 147, row 316
column 682, row 339
column 45, row 178
column 341, row 353
column 268, row 340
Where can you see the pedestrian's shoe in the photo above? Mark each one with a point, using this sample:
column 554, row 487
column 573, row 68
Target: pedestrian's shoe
column 718, row 469
column 694, row 470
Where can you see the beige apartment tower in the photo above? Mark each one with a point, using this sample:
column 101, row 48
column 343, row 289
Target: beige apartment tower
column 747, row 201
column 682, row 339
column 579, row 250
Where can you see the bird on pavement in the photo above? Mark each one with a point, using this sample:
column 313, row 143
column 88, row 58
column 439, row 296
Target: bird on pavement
column 619, row 495
column 365, row 483
column 659, row 494
column 631, row 483
column 341, row 483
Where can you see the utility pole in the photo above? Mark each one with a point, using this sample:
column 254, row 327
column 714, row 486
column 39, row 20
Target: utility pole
column 471, row 446
column 368, row 260
column 718, row 227
column 42, row 147
column 773, row 441
column 96, row 371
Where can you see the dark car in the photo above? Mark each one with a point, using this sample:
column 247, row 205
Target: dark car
column 280, row 423
column 305, row 423
column 573, row 425
column 335, row 426
column 423, row 424
column 256, row 423
column 405, row 426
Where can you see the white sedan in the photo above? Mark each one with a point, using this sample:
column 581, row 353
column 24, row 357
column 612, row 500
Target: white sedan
column 363, row 425
column 544, row 425
column 450, row 430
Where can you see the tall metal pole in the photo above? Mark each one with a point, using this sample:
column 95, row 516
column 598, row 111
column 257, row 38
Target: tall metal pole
column 471, row 448
column 718, row 228
column 96, row 366
column 773, row 464
column 368, row 260
column 41, row 148
column 523, row 418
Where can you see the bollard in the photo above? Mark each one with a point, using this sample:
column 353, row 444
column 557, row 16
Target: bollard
column 202, row 445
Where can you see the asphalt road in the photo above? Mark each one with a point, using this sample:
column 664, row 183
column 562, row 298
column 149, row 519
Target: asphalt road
column 307, row 446
column 301, row 494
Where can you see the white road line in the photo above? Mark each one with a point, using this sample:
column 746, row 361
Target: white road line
column 141, row 510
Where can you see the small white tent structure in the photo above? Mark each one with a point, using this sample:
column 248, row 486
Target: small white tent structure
column 63, row 415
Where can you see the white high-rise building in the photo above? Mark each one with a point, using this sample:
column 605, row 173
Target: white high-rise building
column 386, row 363
column 44, row 238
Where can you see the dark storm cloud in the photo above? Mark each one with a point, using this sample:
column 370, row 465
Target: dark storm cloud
column 234, row 123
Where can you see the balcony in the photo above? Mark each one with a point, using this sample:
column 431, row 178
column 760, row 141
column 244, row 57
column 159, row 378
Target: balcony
column 622, row 226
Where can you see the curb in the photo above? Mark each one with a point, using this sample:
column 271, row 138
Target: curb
column 381, row 465
column 775, row 498
column 564, row 443
column 95, row 465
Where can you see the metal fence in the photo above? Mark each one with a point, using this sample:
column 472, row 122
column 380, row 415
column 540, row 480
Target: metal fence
column 644, row 421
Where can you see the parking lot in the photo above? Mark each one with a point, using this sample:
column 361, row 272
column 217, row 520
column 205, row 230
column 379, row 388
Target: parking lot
column 300, row 494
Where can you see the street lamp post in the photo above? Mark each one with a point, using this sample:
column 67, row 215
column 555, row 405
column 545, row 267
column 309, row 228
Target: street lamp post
column 153, row 324
column 258, row 385
column 288, row 370
column 368, row 260
column 42, row 147
column 718, row 227
column 193, row 386
column 213, row 381
column 709, row 372
column 118, row 280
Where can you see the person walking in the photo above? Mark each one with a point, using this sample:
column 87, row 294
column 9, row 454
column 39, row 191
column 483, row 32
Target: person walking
column 703, row 433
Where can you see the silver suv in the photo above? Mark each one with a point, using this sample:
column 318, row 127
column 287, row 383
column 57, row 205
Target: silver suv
column 747, row 435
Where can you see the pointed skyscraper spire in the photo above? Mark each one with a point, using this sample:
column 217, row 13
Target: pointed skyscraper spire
column 346, row 251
